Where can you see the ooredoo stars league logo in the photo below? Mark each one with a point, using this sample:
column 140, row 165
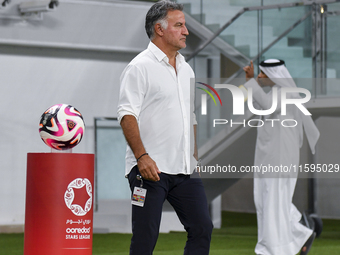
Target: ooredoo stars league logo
column 69, row 196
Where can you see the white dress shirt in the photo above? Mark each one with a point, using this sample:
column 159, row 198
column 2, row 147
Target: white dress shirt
column 159, row 99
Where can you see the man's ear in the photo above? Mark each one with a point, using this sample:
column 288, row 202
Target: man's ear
column 159, row 29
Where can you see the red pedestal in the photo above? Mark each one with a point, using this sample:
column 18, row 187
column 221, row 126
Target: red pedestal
column 59, row 204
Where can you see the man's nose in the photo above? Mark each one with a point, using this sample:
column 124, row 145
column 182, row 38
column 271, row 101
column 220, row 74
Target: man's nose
column 185, row 31
column 260, row 75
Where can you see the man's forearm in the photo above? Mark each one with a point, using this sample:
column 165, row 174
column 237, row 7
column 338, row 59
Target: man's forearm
column 146, row 165
column 132, row 135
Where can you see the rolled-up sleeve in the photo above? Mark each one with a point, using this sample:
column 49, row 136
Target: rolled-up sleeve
column 131, row 93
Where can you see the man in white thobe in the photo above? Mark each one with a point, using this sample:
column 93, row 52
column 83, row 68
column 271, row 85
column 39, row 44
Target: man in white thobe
column 279, row 230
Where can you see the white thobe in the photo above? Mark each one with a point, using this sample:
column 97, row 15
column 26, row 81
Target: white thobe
column 279, row 230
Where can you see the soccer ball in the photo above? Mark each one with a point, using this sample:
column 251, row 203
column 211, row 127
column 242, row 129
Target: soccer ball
column 61, row 127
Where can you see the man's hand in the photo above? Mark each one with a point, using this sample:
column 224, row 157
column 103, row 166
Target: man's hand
column 148, row 168
column 249, row 70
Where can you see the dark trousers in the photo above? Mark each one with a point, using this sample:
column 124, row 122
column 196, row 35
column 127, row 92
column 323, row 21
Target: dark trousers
column 187, row 197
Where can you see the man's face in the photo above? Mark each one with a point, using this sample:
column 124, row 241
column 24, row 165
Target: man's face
column 264, row 81
column 176, row 32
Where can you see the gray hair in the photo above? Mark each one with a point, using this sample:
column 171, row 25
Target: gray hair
column 157, row 14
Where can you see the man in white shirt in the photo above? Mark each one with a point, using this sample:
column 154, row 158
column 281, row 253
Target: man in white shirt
column 279, row 229
column 154, row 113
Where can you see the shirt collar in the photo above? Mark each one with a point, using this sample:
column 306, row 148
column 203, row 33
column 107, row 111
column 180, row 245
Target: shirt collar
column 160, row 55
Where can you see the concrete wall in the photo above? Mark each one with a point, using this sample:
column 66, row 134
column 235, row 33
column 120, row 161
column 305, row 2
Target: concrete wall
column 74, row 55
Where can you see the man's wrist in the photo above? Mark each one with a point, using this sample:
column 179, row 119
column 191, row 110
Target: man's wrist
column 144, row 154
